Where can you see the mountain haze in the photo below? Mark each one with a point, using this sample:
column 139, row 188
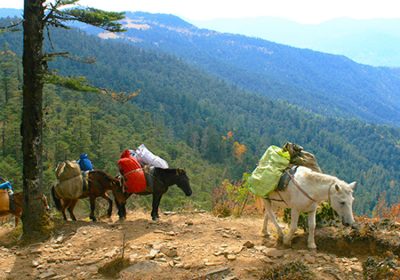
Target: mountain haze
column 323, row 83
column 374, row 41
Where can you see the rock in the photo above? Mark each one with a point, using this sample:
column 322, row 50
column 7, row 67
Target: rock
column 133, row 258
column 225, row 235
column 187, row 266
column 218, row 253
column 231, row 257
column 59, row 239
column 36, row 251
column 248, row 244
column 171, row 263
column 140, row 270
column 171, row 233
column 213, row 263
column 216, row 273
column 47, row 274
column 267, row 260
column 310, row 259
column 189, row 223
column 111, row 253
column 93, row 269
column 272, row 252
column 260, row 248
column 35, row 263
column 170, row 252
column 158, row 231
column 84, row 232
column 153, row 253
column 179, row 265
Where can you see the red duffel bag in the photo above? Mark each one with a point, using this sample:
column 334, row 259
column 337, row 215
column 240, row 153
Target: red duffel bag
column 133, row 174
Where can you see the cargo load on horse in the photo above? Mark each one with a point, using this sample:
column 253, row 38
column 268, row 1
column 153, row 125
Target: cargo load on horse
column 71, row 181
column 132, row 173
column 6, row 196
column 146, row 157
column 270, row 171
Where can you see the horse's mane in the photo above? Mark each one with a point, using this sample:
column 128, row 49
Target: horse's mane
column 105, row 174
column 317, row 177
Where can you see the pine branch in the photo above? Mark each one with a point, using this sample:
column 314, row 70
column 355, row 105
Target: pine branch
column 92, row 16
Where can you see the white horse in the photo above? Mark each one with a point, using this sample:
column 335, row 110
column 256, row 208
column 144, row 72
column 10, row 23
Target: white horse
column 304, row 192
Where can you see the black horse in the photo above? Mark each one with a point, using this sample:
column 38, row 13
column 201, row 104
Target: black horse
column 161, row 179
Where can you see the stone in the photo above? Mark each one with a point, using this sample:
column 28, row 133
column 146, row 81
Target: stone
column 35, row 263
column 310, row 259
column 140, row 270
column 111, row 253
column 47, row 274
column 231, row 257
column 189, row 223
column 171, row 233
column 153, row 253
column 267, row 260
column 260, row 248
column 93, row 269
column 272, row 252
column 170, row 252
column 248, row 244
column 59, row 239
column 213, row 263
column 133, row 257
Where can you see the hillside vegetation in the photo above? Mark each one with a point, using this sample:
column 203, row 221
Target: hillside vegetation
column 327, row 84
column 190, row 118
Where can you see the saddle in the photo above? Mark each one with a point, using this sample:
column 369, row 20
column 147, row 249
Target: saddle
column 285, row 178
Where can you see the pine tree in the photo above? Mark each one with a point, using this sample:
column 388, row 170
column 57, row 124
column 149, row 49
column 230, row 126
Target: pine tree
column 39, row 15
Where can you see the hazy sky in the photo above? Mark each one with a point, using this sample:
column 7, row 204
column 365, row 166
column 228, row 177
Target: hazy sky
column 305, row 11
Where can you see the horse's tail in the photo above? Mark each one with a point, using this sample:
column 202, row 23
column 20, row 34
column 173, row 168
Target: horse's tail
column 57, row 201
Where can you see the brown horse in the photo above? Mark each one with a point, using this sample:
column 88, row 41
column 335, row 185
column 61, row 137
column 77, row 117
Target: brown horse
column 99, row 183
column 19, row 202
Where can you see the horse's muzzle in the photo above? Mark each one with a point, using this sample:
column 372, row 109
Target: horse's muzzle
column 189, row 193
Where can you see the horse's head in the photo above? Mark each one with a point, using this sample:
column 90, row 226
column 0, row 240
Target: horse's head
column 342, row 201
column 183, row 182
column 118, row 190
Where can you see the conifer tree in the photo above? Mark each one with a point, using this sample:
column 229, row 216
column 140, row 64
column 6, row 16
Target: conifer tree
column 39, row 16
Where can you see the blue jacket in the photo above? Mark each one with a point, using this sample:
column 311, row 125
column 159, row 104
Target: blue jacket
column 6, row 185
column 84, row 163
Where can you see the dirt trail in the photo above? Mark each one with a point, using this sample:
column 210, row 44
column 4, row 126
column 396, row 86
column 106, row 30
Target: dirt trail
column 180, row 246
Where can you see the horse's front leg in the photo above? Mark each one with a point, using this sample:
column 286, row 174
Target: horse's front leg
column 71, row 206
column 92, row 208
column 110, row 204
column 155, row 204
column 265, row 232
column 271, row 215
column 294, row 218
column 311, row 228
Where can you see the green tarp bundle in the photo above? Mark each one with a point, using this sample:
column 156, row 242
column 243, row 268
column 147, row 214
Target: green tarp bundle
column 265, row 177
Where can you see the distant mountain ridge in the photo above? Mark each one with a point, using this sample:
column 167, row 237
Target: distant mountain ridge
column 373, row 41
column 326, row 84
column 323, row 83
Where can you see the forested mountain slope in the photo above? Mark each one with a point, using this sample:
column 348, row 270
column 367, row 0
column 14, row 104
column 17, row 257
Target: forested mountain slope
column 190, row 111
column 328, row 84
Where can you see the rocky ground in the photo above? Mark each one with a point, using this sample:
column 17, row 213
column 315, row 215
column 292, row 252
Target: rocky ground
column 191, row 245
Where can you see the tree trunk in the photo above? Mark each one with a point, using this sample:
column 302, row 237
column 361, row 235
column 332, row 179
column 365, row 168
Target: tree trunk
column 35, row 219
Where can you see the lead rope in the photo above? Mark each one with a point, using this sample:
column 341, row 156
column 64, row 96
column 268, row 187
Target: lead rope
column 300, row 189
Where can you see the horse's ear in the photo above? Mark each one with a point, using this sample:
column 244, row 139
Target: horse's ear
column 337, row 188
column 180, row 171
column 353, row 185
